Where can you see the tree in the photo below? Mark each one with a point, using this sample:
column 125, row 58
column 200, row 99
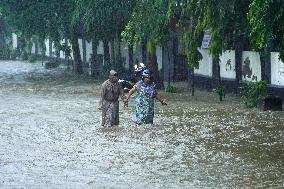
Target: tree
column 5, row 35
column 104, row 20
column 225, row 20
column 149, row 21
column 267, row 26
column 267, row 31
column 32, row 17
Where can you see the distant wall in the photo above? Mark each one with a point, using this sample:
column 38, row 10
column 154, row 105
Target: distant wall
column 251, row 66
column 227, row 65
column 124, row 55
column 205, row 65
column 159, row 55
column 14, row 40
column 277, row 70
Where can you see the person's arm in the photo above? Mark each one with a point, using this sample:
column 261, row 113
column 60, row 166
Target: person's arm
column 159, row 97
column 131, row 92
column 101, row 97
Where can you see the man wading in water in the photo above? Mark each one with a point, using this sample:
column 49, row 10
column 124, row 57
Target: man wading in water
column 110, row 92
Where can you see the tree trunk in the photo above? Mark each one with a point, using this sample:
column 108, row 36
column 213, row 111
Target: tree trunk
column 36, row 48
column 2, row 42
column 238, row 59
column 191, row 80
column 78, row 67
column 84, row 51
column 57, row 51
column 130, row 54
column 117, row 53
column 50, row 48
column 106, row 53
column 265, row 62
column 216, row 77
column 112, row 53
column 153, row 65
column 169, row 65
column 144, row 51
column 94, row 63
column 42, row 47
column 175, row 54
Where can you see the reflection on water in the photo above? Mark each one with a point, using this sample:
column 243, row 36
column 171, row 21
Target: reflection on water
column 51, row 137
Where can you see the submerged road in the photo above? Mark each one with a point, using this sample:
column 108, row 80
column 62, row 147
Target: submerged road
column 50, row 137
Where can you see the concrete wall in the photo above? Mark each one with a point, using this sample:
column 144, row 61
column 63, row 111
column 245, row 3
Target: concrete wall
column 47, row 53
column 137, row 55
column 251, row 66
column 33, row 48
column 227, row 65
column 124, row 55
column 88, row 50
column 205, row 65
column 159, row 55
column 14, row 41
column 277, row 70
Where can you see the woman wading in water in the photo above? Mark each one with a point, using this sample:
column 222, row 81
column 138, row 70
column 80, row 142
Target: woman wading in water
column 145, row 96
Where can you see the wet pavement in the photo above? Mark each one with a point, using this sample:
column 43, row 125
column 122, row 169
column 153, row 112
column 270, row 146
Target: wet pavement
column 50, row 137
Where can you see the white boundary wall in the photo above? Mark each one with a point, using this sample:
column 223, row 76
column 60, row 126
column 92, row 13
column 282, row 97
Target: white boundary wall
column 159, row 55
column 277, row 70
column 205, row 65
column 251, row 66
column 227, row 65
column 124, row 55
column 14, row 41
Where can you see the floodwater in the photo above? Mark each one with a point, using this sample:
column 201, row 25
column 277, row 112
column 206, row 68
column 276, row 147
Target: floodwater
column 50, row 137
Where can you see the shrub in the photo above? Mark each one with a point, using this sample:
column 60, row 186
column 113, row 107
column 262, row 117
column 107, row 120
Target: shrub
column 24, row 55
column 5, row 53
column 32, row 58
column 171, row 89
column 252, row 93
column 220, row 90
column 15, row 53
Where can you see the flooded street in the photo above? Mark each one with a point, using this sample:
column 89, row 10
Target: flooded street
column 51, row 137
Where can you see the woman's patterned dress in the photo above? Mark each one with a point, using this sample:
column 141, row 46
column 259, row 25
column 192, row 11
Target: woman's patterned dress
column 145, row 96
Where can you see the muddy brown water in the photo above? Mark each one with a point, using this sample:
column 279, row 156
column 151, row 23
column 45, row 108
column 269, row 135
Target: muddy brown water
column 50, row 137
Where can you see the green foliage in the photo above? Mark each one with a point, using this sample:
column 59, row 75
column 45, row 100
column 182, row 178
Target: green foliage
column 252, row 93
column 41, row 18
column 103, row 18
column 226, row 21
column 5, row 52
column 5, row 39
column 15, row 53
column 171, row 89
column 24, row 55
column 65, row 48
column 220, row 90
column 32, row 58
column 43, row 49
column 149, row 20
column 266, row 24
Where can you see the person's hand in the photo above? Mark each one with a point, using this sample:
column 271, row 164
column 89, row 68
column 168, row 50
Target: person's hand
column 126, row 104
column 125, row 101
column 163, row 102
